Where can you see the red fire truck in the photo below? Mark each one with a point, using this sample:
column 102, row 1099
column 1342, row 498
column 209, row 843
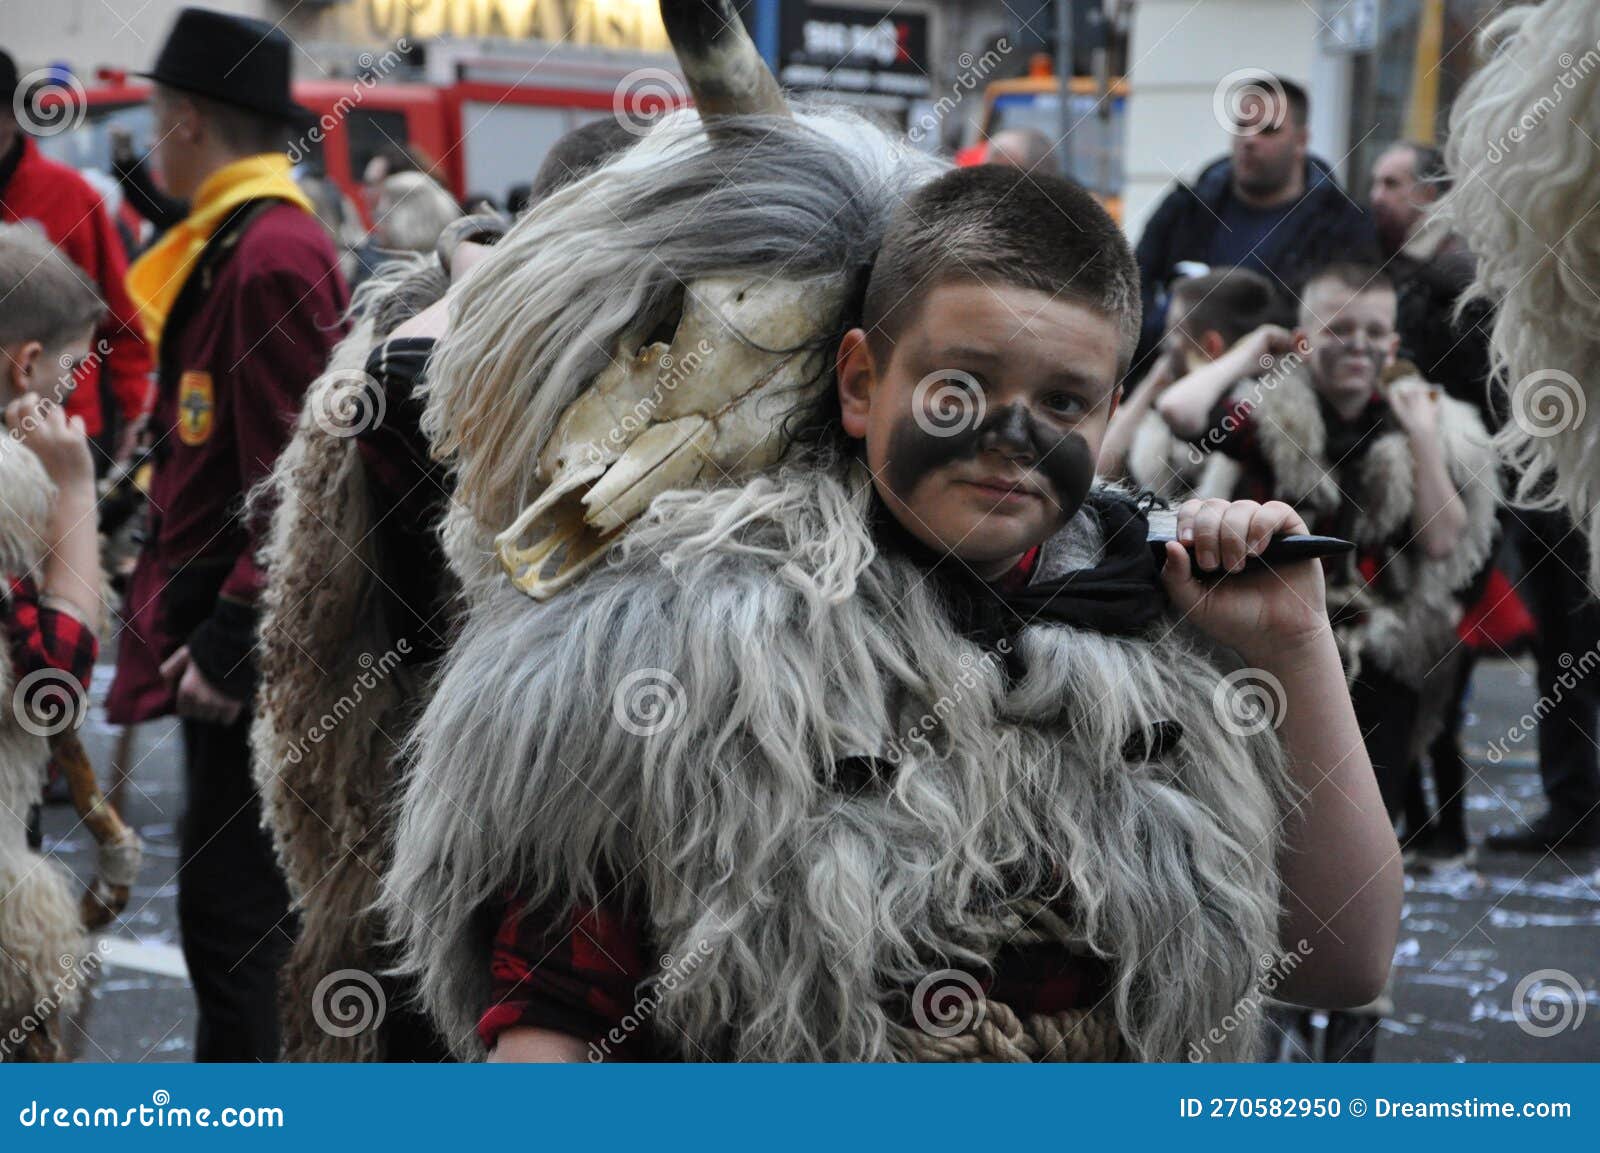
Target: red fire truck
column 483, row 114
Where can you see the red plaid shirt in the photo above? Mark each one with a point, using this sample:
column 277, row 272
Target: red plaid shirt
column 580, row 975
column 46, row 638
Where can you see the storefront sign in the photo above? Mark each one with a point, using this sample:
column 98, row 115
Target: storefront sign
column 853, row 49
column 631, row 24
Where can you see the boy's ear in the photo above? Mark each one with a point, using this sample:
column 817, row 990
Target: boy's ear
column 19, row 365
column 858, row 376
column 1212, row 344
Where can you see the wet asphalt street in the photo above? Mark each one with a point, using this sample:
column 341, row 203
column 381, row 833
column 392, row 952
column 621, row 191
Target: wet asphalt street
column 1470, row 936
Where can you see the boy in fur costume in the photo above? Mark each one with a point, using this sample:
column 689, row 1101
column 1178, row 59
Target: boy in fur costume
column 1406, row 472
column 899, row 724
column 49, row 597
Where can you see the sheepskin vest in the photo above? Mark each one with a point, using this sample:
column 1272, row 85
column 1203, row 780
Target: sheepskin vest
column 41, row 932
column 1404, row 619
column 677, row 719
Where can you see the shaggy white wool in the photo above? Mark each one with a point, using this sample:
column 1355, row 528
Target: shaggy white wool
column 584, row 277
column 1523, row 157
column 41, row 933
column 777, row 641
column 1412, row 611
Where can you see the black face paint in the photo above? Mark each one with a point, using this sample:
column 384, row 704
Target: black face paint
column 1062, row 459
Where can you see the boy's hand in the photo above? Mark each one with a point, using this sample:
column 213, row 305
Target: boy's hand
column 1265, row 616
column 57, row 440
column 1269, row 340
column 1417, row 411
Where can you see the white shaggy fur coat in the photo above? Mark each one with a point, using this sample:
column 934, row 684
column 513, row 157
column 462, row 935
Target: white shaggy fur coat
column 675, row 720
column 41, row 931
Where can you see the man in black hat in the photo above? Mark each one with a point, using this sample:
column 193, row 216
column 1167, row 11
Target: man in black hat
column 243, row 302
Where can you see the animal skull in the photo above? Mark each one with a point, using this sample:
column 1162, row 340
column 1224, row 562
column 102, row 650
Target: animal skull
column 708, row 406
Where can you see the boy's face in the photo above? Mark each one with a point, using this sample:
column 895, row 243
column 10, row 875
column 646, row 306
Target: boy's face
column 1350, row 338
column 31, row 367
column 983, row 430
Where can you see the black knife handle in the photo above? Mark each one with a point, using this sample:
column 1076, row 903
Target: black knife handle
column 1281, row 550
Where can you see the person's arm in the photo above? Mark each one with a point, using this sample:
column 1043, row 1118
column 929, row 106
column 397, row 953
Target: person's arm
column 143, row 195
column 433, row 322
column 1187, row 405
column 1438, row 516
column 1340, row 869
column 71, row 570
column 538, row 1046
column 1129, row 415
column 557, row 980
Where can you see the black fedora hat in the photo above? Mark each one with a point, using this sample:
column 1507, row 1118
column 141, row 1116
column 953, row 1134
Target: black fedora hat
column 231, row 59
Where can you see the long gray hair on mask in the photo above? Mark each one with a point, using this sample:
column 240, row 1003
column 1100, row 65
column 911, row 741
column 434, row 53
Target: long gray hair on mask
column 607, row 257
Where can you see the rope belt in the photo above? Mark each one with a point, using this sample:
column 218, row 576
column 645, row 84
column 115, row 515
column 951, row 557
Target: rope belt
column 995, row 1031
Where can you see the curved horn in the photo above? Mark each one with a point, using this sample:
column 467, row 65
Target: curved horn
column 725, row 72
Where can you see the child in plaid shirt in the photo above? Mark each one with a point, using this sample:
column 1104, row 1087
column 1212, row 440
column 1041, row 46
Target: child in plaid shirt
column 49, row 552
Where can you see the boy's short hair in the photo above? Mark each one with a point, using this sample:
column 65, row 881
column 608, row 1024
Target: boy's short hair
column 1357, row 276
column 1004, row 227
column 46, row 297
column 1231, row 301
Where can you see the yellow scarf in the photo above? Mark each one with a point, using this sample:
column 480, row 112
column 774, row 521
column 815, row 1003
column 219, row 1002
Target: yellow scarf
column 156, row 278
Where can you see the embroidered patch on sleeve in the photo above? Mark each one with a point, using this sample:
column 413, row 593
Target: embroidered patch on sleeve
column 196, row 406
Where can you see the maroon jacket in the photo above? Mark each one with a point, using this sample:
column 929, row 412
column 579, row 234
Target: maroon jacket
column 250, row 331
